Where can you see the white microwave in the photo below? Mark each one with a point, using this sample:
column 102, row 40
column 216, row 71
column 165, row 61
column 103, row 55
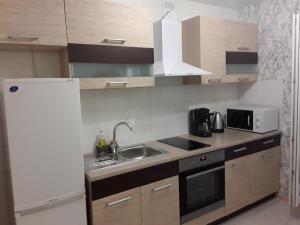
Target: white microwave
column 256, row 119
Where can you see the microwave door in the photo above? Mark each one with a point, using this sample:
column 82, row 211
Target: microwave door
column 241, row 119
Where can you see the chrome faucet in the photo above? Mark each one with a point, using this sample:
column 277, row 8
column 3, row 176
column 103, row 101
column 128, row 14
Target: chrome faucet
column 114, row 145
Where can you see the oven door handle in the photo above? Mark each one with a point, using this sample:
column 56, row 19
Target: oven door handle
column 205, row 172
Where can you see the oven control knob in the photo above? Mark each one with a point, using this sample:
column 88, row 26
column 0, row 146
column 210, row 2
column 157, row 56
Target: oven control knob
column 203, row 158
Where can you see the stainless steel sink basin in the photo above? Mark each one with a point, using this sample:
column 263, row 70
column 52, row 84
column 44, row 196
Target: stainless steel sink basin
column 138, row 152
column 125, row 155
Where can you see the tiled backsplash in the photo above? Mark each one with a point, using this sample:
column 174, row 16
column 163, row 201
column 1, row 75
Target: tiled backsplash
column 154, row 112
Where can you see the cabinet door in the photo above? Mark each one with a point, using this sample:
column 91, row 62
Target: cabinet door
column 97, row 22
column 160, row 203
column 119, row 209
column 213, row 56
column 241, row 37
column 236, row 184
column 264, row 173
column 203, row 41
column 32, row 22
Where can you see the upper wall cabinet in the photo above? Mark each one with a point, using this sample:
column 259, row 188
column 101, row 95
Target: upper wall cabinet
column 32, row 22
column 97, row 22
column 241, row 37
column 203, row 42
column 225, row 48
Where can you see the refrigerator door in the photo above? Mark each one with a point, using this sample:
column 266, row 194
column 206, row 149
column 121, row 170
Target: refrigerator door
column 43, row 120
column 72, row 213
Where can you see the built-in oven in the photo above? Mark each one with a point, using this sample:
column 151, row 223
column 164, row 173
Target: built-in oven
column 202, row 185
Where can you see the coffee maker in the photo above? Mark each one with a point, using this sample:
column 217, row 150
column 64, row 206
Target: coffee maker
column 199, row 122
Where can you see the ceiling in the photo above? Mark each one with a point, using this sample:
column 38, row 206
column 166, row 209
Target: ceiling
column 234, row 4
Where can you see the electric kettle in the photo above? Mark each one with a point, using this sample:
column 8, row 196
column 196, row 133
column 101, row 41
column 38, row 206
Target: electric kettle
column 217, row 122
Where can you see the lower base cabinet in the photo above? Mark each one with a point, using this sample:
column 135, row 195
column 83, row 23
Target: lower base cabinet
column 236, row 184
column 153, row 204
column 119, row 209
column 264, row 175
column 251, row 178
column 160, row 203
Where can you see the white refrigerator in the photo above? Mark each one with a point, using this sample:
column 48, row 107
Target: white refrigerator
column 43, row 120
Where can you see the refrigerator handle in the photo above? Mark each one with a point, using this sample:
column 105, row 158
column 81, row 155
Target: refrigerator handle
column 51, row 204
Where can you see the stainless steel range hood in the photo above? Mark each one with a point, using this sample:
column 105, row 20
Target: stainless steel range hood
column 167, row 50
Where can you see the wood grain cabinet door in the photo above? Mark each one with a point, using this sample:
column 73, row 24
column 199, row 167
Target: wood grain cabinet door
column 236, row 184
column 203, row 44
column 119, row 209
column 241, row 37
column 98, row 22
column 32, row 22
column 160, row 203
column 264, row 173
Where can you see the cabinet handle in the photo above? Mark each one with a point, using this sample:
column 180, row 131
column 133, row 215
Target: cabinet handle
column 114, row 41
column 268, row 142
column 243, row 48
column 214, row 81
column 118, row 202
column 22, row 37
column 162, row 187
column 119, row 83
column 240, row 149
column 243, row 79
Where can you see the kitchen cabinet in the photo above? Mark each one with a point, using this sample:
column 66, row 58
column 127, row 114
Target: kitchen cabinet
column 146, row 196
column 203, row 43
column 241, row 37
column 32, row 22
column 96, row 22
column 148, row 205
column 119, row 209
column 252, row 172
column 206, row 43
column 237, row 184
column 160, row 202
column 264, row 173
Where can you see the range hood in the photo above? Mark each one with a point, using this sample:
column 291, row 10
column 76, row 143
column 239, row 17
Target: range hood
column 167, row 50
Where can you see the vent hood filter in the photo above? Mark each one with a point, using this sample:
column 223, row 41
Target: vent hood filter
column 167, row 51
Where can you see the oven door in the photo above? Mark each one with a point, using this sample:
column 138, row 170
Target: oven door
column 240, row 119
column 201, row 192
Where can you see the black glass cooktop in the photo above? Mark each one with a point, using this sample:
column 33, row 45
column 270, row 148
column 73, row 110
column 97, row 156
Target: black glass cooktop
column 183, row 143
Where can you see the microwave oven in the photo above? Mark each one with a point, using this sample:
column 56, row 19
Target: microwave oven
column 256, row 119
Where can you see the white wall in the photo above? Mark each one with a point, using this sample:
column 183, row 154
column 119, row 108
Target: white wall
column 155, row 113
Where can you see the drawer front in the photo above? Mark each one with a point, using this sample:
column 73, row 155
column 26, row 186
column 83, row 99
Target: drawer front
column 119, row 209
column 252, row 147
column 267, row 143
column 239, row 151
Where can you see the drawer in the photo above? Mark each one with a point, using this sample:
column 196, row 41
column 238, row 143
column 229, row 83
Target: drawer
column 267, row 143
column 238, row 151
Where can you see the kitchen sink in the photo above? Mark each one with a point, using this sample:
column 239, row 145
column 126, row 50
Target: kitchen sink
column 125, row 155
column 138, row 152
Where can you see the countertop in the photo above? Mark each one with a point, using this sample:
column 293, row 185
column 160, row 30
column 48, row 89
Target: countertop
column 217, row 141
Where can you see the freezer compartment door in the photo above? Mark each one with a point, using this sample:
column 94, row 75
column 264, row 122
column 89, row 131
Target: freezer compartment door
column 63, row 212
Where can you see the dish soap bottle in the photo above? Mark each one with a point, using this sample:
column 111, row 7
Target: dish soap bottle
column 101, row 144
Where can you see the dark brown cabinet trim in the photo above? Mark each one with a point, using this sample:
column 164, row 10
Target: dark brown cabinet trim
column 241, row 57
column 249, row 148
column 124, row 182
column 82, row 53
